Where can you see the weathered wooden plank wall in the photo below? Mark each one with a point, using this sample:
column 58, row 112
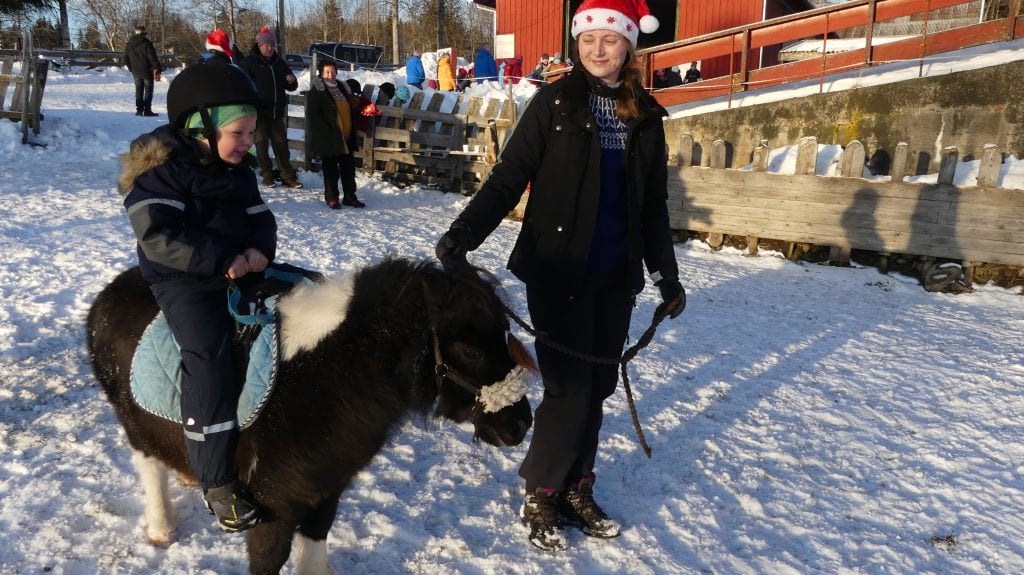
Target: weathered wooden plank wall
column 975, row 224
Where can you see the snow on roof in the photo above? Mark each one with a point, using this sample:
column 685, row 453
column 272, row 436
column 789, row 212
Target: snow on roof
column 834, row 45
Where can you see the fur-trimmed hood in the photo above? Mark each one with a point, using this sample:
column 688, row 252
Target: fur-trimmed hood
column 154, row 148
column 147, row 152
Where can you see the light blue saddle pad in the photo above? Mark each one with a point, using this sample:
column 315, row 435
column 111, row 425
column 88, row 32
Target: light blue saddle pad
column 156, row 372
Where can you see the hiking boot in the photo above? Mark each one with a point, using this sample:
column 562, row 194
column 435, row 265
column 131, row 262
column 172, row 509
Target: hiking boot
column 268, row 182
column 576, row 507
column 540, row 515
column 354, row 202
column 291, row 183
column 234, row 507
column 150, row 114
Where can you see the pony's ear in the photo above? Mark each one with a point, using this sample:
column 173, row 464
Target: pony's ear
column 520, row 354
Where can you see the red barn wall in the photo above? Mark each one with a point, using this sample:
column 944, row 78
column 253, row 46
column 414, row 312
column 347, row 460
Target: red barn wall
column 538, row 25
column 699, row 17
column 541, row 26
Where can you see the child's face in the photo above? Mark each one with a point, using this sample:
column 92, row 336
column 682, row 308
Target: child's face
column 235, row 139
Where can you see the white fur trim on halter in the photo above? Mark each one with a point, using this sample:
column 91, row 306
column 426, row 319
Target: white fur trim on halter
column 507, row 392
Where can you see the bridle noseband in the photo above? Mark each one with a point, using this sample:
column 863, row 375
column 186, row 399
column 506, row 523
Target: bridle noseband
column 442, row 371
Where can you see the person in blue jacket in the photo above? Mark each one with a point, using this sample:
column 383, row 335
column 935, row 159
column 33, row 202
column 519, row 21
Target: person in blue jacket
column 484, row 67
column 414, row 74
column 195, row 207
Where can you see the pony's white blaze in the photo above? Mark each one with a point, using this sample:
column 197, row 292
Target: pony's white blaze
column 311, row 557
column 159, row 515
column 310, row 312
column 497, row 396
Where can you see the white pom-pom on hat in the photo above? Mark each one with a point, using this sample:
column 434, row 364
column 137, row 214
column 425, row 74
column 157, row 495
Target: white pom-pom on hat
column 649, row 24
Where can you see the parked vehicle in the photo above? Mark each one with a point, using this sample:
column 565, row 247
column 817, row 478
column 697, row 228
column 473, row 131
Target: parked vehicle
column 298, row 61
column 363, row 55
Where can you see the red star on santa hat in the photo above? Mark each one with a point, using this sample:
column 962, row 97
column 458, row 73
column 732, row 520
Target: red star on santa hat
column 590, row 18
column 611, row 19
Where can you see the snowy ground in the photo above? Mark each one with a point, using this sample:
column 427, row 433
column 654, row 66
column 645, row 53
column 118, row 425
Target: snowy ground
column 804, row 419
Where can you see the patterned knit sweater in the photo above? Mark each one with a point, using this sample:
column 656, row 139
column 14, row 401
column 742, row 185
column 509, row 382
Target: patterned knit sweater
column 608, row 249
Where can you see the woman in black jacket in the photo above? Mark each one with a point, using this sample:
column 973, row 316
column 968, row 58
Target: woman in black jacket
column 592, row 148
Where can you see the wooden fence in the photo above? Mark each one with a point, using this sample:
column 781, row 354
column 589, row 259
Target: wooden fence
column 88, row 59
column 976, row 224
column 415, row 142
column 27, row 95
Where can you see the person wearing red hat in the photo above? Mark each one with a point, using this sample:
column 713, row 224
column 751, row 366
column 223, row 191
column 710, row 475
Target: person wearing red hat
column 592, row 148
column 218, row 48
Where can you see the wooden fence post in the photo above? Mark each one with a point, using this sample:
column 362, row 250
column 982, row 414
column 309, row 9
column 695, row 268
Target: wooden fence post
column 684, row 157
column 899, row 162
column 851, row 164
column 717, row 161
column 807, row 156
column 718, row 153
column 947, row 167
column 991, row 162
column 759, row 163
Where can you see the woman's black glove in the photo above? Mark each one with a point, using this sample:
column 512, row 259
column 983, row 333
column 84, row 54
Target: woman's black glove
column 673, row 297
column 453, row 246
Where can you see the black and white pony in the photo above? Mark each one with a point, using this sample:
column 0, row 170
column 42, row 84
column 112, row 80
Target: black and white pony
column 357, row 354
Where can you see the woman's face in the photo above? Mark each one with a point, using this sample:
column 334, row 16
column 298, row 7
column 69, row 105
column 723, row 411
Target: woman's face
column 329, row 72
column 235, row 139
column 602, row 53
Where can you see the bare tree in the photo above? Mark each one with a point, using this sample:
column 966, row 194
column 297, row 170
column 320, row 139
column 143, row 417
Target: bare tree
column 114, row 19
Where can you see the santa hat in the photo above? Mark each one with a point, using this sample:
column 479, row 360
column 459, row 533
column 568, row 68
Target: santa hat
column 218, row 40
column 627, row 17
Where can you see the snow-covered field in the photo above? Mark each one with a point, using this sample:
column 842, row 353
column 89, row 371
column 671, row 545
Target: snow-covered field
column 803, row 418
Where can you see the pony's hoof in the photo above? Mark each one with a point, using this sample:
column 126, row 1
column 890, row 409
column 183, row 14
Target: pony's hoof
column 162, row 540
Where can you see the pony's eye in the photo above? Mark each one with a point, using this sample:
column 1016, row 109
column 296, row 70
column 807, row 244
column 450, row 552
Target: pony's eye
column 469, row 353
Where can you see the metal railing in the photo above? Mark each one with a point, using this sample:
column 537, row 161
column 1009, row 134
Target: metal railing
column 741, row 45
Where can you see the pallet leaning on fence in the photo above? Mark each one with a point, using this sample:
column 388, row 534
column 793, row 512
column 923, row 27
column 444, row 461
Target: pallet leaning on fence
column 27, row 96
column 426, row 155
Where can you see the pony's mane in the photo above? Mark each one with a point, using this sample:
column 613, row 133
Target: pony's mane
column 309, row 313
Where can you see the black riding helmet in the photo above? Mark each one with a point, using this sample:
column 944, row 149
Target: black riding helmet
column 202, row 86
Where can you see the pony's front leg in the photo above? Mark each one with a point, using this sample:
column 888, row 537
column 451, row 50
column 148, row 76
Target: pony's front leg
column 311, row 541
column 269, row 544
column 159, row 516
column 311, row 557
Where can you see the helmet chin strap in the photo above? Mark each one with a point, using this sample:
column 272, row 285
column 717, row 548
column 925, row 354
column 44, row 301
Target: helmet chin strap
column 209, row 131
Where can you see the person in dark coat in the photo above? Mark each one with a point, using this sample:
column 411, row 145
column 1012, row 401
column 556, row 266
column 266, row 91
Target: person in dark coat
column 272, row 77
column 195, row 207
column 692, row 75
column 140, row 57
column 332, row 111
column 484, row 67
column 592, row 148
